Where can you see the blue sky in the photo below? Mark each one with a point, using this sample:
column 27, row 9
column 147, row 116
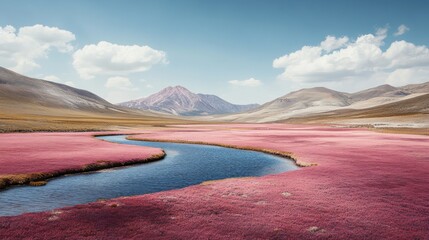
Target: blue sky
column 227, row 48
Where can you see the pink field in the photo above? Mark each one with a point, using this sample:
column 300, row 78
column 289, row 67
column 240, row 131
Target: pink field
column 366, row 185
column 24, row 154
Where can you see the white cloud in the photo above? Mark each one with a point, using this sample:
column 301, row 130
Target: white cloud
column 382, row 32
column 331, row 43
column 251, row 82
column 110, row 59
column 359, row 60
column 20, row 50
column 121, row 89
column 120, row 83
column 401, row 77
column 401, row 30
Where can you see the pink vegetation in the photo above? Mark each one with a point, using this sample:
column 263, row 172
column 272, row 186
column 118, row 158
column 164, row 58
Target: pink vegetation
column 28, row 153
column 366, row 185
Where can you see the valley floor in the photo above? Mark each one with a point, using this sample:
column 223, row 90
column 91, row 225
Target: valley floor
column 366, row 185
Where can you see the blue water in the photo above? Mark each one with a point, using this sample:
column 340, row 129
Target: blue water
column 184, row 165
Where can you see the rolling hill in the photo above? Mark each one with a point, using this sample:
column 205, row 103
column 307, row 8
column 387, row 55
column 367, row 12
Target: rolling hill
column 29, row 104
column 20, row 90
column 407, row 113
column 307, row 105
column 302, row 102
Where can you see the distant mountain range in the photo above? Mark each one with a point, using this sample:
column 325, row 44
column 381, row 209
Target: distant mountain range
column 408, row 112
column 180, row 101
column 317, row 103
column 23, row 99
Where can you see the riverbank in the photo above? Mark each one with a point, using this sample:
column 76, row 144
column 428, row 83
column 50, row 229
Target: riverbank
column 366, row 185
column 284, row 154
column 30, row 157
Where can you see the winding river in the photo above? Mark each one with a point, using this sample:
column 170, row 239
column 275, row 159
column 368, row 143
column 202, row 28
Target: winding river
column 184, row 165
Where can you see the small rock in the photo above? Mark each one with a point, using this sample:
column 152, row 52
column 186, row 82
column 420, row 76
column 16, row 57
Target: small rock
column 315, row 229
column 286, row 194
column 53, row 218
column 54, row 215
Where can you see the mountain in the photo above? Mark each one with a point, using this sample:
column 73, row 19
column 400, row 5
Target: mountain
column 19, row 89
column 372, row 93
column 416, row 88
column 180, row 101
column 29, row 104
column 315, row 102
column 302, row 102
column 308, row 98
column 410, row 112
column 385, row 94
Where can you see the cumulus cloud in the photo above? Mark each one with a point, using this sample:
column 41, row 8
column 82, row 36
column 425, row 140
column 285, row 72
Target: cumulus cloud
column 20, row 49
column 405, row 76
column 110, row 59
column 401, row 30
column 251, row 82
column 120, row 83
column 331, row 43
column 337, row 59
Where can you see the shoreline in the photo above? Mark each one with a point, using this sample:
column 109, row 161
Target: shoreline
column 11, row 180
column 26, row 179
column 287, row 155
column 29, row 179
